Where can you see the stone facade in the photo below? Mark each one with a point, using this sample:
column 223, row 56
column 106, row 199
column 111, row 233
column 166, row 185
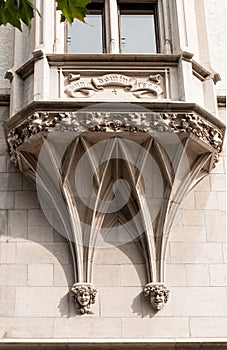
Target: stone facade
column 36, row 265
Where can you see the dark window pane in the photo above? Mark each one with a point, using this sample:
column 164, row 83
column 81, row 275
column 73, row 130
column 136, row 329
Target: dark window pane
column 86, row 38
column 138, row 33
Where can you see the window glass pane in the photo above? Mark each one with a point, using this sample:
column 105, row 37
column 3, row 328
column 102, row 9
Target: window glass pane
column 86, row 38
column 138, row 33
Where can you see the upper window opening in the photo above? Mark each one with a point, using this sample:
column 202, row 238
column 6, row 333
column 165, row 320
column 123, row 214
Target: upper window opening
column 137, row 28
column 131, row 28
column 87, row 38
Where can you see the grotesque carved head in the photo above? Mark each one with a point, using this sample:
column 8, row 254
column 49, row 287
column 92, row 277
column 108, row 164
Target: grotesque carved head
column 156, row 294
column 84, row 296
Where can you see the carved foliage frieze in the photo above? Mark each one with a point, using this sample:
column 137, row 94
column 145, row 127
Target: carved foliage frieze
column 75, row 87
column 113, row 122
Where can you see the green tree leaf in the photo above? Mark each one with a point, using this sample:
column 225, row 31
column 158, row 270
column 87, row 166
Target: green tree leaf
column 16, row 11
column 72, row 9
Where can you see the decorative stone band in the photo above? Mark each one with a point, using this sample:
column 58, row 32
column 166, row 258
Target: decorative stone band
column 83, row 294
column 43, row 122
column 156, row 294
column 87, row 88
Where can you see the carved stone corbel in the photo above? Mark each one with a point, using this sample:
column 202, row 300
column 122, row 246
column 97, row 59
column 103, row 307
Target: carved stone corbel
column 149, row 151
column 156, row 294
column 83, row 294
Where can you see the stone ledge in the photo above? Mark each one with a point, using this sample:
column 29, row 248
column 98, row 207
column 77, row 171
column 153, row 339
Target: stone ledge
column 63, row 344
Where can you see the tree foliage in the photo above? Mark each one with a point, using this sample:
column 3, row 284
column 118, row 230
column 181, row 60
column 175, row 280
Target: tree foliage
column 17, row 11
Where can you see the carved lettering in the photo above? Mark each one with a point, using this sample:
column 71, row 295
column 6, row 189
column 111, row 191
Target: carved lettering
column 113, row 80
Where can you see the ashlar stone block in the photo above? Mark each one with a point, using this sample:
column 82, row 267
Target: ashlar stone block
column 196, row 253
column 215, row 225
column 7, row 301
column 35, row 253
column 193, row 218
column 26, row 200
column 218, row 275
column 106, row 275
column 199, row 301
column 206, row 200
column 63, row 275
column 27, row 327
column 37, row 217
column 7, row 199
column 156, row 327
column 221, row 201
column 176, row 275
column 18, row 221
column 133, row 275
column 11, row 182
column 40, row 233
column 120, row 301
column 2, row 164
column 13, row 275
column 40, row 275
column 3, row 222
column 41, row 302
column 7, row 252
column 78, row 327
column 208, row 327
column 218, row 182
column 197, row 275
column 194, row 234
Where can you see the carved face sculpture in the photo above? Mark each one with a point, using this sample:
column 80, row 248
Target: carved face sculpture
column 83, row 297
column 156, row 294
column 157, row 299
